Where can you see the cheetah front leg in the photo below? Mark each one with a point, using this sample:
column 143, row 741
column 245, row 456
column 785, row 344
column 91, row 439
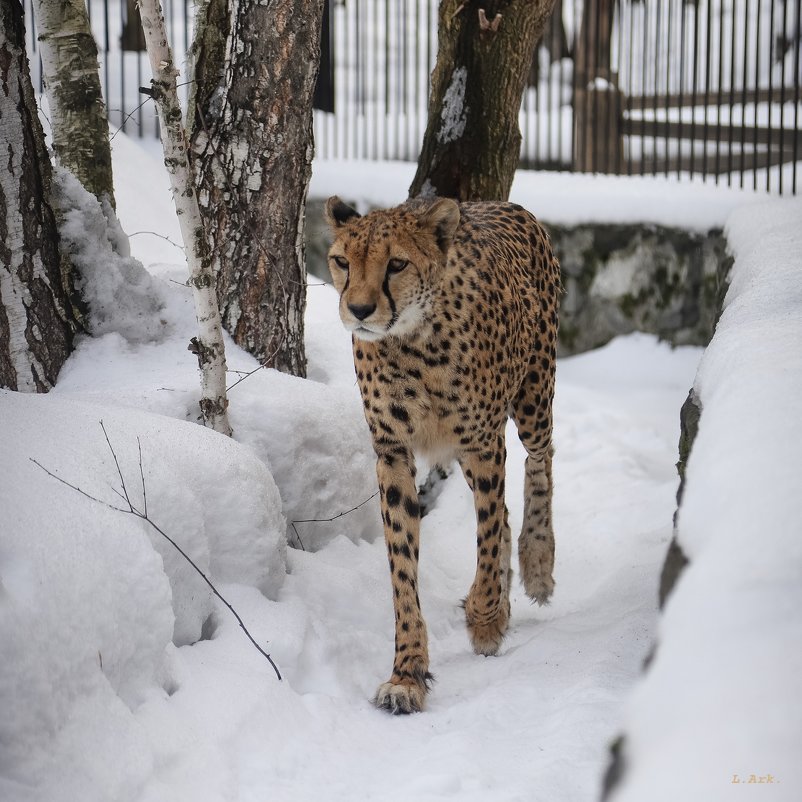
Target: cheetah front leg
column 487, row 607
column 406, row 689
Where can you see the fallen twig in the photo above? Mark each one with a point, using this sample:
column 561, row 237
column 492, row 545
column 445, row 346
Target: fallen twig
column 143, row 515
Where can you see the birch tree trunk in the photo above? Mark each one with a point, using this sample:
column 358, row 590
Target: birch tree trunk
column 36, row 316
column 208, row 345
column 472, row 143
column 72, row 86
column 251, row 133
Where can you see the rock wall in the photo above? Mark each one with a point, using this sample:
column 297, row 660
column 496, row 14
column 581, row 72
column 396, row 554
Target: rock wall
column 624, row 278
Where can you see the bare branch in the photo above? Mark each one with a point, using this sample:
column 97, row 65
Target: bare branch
column 145, row 517
column 161, row 236
column 142, row 475
column 255, row 370
column 77, row 489
column 339, row 514
column 297, row 535
column 116, row 462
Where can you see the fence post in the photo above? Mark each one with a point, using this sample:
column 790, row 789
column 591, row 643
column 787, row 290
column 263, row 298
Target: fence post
column 598, row 142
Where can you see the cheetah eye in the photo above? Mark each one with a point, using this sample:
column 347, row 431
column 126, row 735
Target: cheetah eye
column 341, row 262
column 396, row 265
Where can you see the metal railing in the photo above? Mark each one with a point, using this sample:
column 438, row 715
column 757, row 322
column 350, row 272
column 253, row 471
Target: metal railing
column 661, row 87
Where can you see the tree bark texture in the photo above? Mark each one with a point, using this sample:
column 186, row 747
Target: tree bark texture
column 36, row 316
column 208, row 345
column 251, row 122
column 472, row 143
column 72, row 87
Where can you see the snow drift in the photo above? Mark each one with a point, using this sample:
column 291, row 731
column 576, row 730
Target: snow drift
column 719, row 704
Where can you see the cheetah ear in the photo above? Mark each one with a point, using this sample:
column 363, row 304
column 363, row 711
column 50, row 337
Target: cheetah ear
column 441, row 219
column 337, row 213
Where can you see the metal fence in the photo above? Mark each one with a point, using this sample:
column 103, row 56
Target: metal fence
column 662, row 87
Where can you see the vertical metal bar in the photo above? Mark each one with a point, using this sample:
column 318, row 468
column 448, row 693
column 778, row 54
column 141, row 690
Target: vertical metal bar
column 123, row 110
column 694, row 86
column 417, row 70
column 373, row 71
column 720, row 83
column 549, row 93
column 708, row 65
column 387, row 63
column 630, row 85
column 782, row 95
column 345, row 66
column 359, row 70
column 402, row 78
column 594, row 67
column 643, row 87
column 559, row 110
column 655, row 105
column 733, row 40
column 798, row 29
column 745, row 81
column 681, row 87
column 668, row 87
column 771, row 98
column 611, row 85
column 757, row 88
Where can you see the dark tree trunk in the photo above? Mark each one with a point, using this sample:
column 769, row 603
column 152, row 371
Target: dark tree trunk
column 251, row 121
column 36, row 316
column 472, row 142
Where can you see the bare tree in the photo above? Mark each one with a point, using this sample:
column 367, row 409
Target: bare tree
column 472, row 142
column 37, row 319
column 72, row 86
column 251, row 133
column 208, row 345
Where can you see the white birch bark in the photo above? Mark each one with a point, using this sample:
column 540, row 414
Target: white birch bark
column 72, row 87
column 209, row 343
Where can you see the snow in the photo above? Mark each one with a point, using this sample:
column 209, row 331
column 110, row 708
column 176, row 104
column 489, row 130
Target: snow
column 558, row 198
column 454, row 113
column 729, row 656
column 123, row 679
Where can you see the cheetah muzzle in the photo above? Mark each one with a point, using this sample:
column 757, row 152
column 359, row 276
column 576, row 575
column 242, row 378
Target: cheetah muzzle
column 453, row 314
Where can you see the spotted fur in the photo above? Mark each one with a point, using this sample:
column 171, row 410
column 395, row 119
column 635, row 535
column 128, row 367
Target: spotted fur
column 453, row 315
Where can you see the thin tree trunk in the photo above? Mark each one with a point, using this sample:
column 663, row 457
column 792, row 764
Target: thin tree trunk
column 72, row 86
column 209, row 344
column 251, row 124
column 472, row 143
column 36, row 316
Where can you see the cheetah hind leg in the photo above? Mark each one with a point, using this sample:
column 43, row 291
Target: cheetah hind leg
column 536, row 542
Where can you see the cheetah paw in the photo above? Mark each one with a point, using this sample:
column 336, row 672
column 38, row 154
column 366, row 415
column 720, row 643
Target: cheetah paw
column 398, row 699
column 486, row 637
column 536, row 562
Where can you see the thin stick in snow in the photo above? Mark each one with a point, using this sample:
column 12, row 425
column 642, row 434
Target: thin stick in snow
column 143, row 515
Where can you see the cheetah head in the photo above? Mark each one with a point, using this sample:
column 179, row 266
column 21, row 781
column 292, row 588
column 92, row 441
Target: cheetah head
column 388, row 264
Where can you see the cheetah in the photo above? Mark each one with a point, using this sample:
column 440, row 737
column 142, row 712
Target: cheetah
column 452, row 310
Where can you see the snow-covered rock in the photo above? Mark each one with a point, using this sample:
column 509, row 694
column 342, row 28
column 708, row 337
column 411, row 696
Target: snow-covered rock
column 718, row 706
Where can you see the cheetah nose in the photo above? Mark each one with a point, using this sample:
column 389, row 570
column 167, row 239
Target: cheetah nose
column 361, row 311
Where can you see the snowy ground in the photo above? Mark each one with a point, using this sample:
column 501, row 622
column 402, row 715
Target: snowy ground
column 98, row 704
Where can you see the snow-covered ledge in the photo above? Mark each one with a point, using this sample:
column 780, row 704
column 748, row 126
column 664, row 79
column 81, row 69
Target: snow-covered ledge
column 718, row 705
